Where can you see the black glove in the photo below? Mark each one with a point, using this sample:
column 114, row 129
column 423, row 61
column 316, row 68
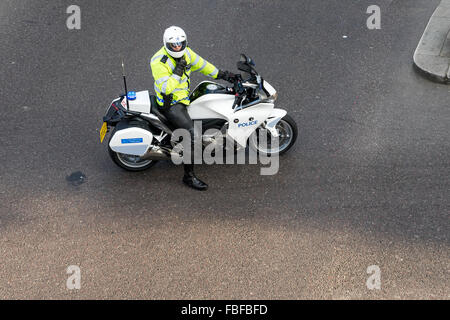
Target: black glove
column 167, row 100
column 181, row 65
column 226, row 75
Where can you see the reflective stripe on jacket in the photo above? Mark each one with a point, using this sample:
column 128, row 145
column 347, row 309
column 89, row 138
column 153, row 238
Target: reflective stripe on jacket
column 166, row 82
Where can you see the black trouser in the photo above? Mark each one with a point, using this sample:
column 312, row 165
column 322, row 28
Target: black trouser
column 179, row 117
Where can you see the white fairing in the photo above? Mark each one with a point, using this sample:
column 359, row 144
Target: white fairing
column 211, row 106
column 276, row 113
column 140, row 104
column 248, row 120
column 269, row 88
column 242, row 123
column 134, row 141
column 274, row 117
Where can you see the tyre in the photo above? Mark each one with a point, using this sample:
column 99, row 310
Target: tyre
column 127, row 161
column 288, row 132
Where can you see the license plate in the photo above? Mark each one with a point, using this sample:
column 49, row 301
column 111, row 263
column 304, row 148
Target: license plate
column 103, row 131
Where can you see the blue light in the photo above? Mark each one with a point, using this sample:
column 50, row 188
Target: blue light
column 131, row 95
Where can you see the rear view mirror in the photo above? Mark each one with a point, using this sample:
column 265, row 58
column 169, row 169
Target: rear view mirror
column 247, row 60
column 243, row 66
column 246, row 64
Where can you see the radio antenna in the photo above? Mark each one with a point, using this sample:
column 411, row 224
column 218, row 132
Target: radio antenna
column 125, row 84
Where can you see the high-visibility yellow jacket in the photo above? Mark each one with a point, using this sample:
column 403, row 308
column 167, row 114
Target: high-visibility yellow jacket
column 162, row 65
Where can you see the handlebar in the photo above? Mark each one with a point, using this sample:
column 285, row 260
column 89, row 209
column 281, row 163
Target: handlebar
column 242, row 92
column 238, row 89
column 236, row 101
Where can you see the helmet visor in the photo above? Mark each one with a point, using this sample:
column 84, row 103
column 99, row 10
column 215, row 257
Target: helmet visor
column 176, row 46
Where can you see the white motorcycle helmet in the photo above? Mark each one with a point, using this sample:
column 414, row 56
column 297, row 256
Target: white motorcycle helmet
column 174, row 38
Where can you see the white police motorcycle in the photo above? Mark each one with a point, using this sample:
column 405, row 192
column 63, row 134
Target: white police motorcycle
column 141, row 135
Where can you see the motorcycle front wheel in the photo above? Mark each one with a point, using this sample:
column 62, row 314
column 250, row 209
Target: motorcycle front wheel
column 288, row 132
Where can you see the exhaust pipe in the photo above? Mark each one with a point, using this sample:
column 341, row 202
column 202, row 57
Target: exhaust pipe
column 156, row 153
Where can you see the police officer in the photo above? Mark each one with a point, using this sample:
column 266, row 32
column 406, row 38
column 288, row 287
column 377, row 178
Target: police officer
column 171, row 68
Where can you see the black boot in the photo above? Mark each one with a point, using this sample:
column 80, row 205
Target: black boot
column 191, row 180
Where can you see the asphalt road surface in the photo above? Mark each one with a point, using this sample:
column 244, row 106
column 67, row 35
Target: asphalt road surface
column 367, row 183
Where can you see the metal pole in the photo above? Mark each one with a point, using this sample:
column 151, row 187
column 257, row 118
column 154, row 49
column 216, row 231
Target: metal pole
column 125, row 84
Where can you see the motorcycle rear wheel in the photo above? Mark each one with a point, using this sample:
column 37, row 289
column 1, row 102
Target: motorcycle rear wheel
column 129, row 162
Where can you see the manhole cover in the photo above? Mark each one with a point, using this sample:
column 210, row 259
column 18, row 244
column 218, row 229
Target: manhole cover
column 76, row 178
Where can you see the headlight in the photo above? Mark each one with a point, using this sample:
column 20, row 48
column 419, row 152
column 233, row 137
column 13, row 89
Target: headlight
column 272, row 94
column 273, row 97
